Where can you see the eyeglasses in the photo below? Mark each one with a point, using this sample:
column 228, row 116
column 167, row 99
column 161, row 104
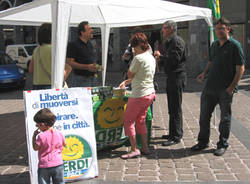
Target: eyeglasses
column 220, row 28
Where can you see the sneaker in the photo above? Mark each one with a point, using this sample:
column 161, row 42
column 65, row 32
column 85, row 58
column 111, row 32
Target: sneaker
column 220, row 151
column 199, row 147
column 170, row 142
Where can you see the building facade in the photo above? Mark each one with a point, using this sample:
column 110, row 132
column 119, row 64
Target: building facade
column 239, row 16
column 15, row 34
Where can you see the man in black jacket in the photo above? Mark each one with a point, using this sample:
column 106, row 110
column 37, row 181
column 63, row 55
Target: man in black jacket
column 173, row 57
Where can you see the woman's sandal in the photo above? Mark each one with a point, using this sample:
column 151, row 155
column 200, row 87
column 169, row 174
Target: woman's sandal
column 133, row 154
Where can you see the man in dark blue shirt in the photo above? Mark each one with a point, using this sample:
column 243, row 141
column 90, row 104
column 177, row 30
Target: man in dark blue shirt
column 81, row 58
column 225, row 68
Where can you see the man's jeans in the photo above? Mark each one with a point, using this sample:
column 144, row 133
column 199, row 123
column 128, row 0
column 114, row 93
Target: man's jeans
column 82, row 81
column 54, row 173
column 209, row 99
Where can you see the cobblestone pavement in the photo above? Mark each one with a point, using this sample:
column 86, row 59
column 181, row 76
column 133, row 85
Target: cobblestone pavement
column 174, row 164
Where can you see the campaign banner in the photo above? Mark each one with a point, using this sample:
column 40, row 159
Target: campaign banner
column 74, row 118
column 108, row 118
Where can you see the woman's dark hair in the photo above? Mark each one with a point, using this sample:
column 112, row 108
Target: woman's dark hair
column 44, row 34
column 225, row 22
column 45, row 116
column 81, row 27
column 139, row 39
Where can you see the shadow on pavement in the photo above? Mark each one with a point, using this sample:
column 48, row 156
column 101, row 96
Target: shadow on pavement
column 244, row 87
column 11, row 93
column 19, row 178
column 13, row 140
column 13, row 152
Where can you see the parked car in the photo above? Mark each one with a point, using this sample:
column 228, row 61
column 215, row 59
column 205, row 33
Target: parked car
column 22, row 53
column 11, row 75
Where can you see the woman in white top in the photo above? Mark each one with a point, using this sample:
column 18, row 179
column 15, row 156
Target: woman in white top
column 140, row 75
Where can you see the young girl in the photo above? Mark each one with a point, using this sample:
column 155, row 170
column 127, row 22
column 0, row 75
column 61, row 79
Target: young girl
column 49, row 144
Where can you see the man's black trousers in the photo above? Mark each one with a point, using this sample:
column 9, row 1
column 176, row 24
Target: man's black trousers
column 175, row 85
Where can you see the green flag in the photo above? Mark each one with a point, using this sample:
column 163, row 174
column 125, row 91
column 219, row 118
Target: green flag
column 214, row 5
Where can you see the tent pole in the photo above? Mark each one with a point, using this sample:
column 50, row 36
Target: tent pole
column 211, row 41
column 60, row 29
column 105, row 40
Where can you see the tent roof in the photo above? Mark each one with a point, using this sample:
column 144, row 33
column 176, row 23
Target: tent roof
column 113, row 13
column 99, row 13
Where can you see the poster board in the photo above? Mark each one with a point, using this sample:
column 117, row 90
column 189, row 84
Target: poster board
column 74, row 114
column 108, row 118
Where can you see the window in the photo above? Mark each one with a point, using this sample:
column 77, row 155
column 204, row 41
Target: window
column 21, row 52
column 5, row 59
column 30, row 49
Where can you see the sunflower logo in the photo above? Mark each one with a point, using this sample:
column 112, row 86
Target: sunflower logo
column 110, row 114
column 74, row 149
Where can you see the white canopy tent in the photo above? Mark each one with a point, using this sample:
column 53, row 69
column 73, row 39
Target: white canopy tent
column 100, row 13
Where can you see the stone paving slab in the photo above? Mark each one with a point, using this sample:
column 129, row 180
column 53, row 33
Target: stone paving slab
column 174, row 164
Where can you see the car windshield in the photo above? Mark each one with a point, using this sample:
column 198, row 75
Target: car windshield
column 5, row 60
column 30, row 49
